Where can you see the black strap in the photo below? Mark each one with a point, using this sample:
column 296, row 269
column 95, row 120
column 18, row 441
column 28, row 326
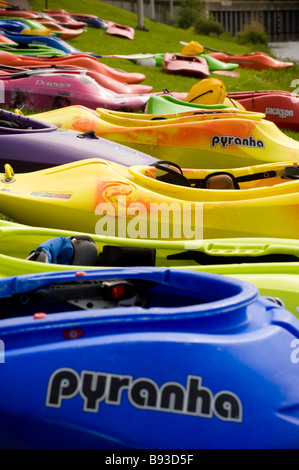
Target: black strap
column 291, row 172
column 202, row 94
column 169, row 175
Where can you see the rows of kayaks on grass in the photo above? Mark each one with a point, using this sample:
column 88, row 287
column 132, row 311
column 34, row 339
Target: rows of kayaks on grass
column 175, row 280
column 284, row 114
column 62, row 22
column 280, row 107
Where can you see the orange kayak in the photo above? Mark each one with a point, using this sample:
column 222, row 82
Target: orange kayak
column 64, row 33
column 255, row 60
column 80, row 60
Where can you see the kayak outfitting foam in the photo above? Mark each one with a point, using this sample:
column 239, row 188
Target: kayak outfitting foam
column 65, row 332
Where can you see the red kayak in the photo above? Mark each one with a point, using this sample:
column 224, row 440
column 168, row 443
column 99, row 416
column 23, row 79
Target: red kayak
column 185, row 65
column 119, row 30
column 79, row 60
column 254, row 60
column 280, row 107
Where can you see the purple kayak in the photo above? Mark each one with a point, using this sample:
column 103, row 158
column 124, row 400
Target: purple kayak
column 51, row 90
column 28, row 145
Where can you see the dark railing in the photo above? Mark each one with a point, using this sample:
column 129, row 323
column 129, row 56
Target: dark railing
column 280, row 19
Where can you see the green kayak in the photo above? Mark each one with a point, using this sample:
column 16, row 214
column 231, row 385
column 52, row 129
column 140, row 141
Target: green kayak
column 32, row 50
column 167, row 104
column 271, row 264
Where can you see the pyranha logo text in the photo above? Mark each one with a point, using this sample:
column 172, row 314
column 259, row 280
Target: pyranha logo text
column 225, row 140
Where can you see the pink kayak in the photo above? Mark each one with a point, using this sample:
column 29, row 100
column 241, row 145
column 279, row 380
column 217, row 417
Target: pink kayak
column 119, row 30
column 52, row 90
column 103, row 80
column 80, row 59
column 185, row 65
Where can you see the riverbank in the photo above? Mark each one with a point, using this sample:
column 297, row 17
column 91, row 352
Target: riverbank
column 288, row 50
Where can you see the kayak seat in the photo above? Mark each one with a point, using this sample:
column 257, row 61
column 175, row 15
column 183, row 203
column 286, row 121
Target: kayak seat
column 81, row 250
column 169, row 172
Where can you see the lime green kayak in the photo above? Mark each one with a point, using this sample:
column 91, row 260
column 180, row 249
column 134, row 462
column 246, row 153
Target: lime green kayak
column 32, row 50
column 167, row 104
column 271, row 264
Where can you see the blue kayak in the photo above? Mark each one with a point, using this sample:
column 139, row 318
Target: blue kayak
column 12, row 25
column 51, row 41
column 145, row 358
column 93, row 22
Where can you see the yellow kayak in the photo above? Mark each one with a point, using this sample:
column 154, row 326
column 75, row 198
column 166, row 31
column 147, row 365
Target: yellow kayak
column 156, row 202
column 209, row 140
